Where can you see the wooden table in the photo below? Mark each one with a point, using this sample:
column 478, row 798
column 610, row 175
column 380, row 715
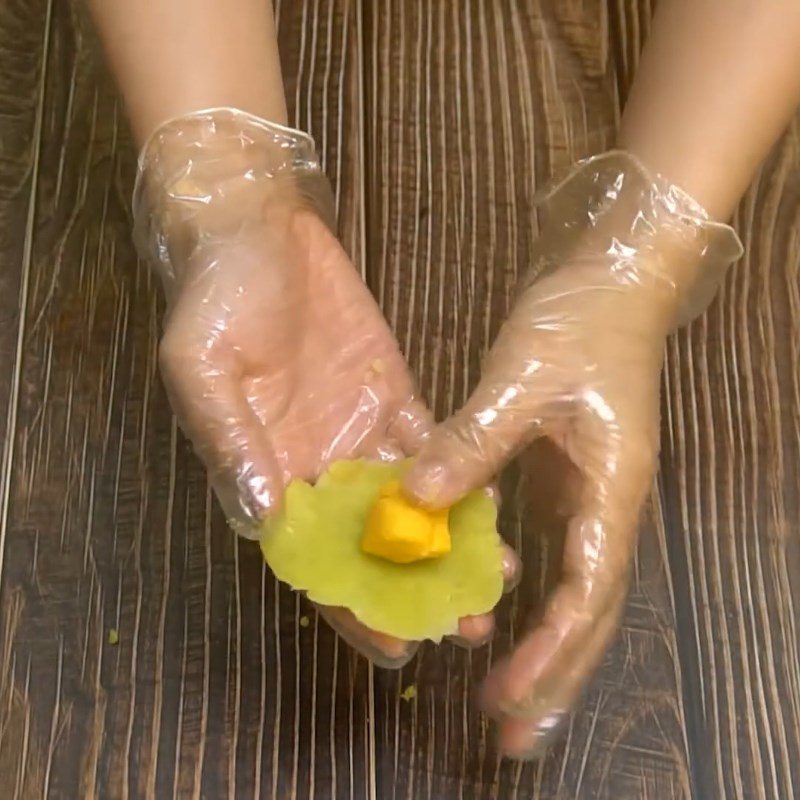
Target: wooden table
column 438, row 121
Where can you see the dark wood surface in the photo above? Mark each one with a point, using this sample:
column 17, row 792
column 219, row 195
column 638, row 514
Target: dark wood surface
column 438, row 122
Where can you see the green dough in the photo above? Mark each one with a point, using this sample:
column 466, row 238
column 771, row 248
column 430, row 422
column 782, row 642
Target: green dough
column 314, row 545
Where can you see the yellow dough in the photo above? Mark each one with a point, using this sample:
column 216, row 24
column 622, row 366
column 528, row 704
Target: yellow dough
column 315, row 545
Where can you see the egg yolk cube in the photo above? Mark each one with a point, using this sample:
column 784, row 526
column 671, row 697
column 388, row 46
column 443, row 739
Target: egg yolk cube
column 400, row 531
column 440, row 534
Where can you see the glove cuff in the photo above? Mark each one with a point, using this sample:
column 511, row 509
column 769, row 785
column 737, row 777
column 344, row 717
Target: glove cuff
column 615, row 201
column 212, row 173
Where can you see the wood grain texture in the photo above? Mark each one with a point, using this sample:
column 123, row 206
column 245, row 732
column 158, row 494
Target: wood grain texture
column 22, row 93
column 214, row 688
column 730, row 479
column 437, row 122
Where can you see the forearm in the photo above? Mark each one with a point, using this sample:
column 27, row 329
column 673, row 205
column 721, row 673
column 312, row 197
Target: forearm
column 718, row 82
column 171, row 57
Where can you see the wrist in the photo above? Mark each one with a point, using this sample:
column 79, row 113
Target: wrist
column 645, row 233
column 212, row 175
column 170, row 58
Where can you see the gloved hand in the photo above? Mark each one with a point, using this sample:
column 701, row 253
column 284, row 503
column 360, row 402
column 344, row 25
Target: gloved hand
column 622, row 256
column 275, row 356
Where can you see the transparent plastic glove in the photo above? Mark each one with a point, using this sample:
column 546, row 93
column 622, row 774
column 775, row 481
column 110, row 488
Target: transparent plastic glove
column 275, row 356
column 622, row 256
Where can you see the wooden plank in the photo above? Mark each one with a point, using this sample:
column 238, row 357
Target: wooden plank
column 471, row 107
column 24, row 33
column 729, row 489
column 730, row 482
column 214, row 688
column 22, row 36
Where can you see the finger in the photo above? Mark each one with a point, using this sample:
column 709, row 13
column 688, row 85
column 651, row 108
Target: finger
column 212, row 410
column 381, row 649
column 504, row 414
column 405, row 434
column 557, row 651
column 511, row 563
column 478, row 629
column 474, row 631
column 460, row 455
column 526, row 735
column 386, row 451
column 512, row 569
column 521, row 740
column 541, row 679
column 411, row 426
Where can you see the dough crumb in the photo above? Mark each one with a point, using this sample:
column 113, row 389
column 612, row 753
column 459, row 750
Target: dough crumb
column 409, row 693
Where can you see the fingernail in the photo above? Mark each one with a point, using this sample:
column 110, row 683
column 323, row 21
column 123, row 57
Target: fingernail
column 256, row 497
column 512, row 571
column 493, row 491
column 540, row 738
column 519, row 751
column 425, row 482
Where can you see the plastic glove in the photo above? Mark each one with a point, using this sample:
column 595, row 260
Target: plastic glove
column 275, row 356
column 621, row 257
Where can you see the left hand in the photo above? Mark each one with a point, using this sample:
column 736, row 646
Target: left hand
column 578, row 361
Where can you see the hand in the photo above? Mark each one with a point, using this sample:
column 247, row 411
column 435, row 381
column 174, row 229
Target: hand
column 276, row 357
column 577, row 361
column 278, row 361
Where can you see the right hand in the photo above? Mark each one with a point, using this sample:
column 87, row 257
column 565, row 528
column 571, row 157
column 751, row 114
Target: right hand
column 278, row 362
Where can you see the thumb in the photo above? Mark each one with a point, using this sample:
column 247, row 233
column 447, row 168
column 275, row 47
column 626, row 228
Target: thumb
column 467, row 450
column 503, row 415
